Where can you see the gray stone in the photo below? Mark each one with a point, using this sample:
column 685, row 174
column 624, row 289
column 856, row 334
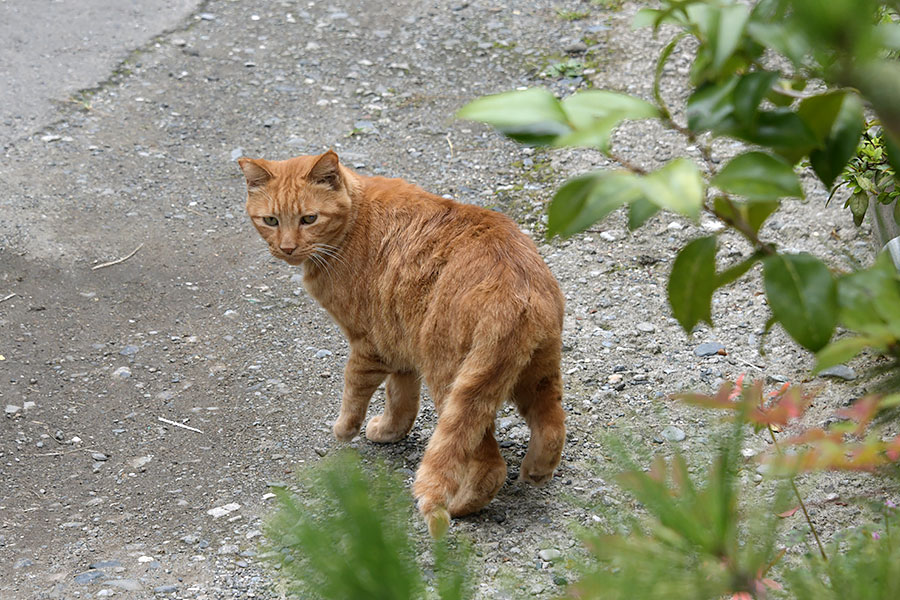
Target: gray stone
column 166, row 589
column 22, row 563
column 550, row 554
column 89, row 577
column 129, row 350
column 122, row 373
column 99, row 456
column 323, row 353
column 105, row 564
column 229, row 549
column 131, row 585
column 673, row 434
column 646, row 327
column 12, row 409
column 237, row 153
column 839, row 372
column 708, row 349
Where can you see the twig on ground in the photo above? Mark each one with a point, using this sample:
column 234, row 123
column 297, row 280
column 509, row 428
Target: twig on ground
column 118, row 260
column 4, row 299
column 748, row 363
column 65, row 452
column 177, row 424
column 449, row 143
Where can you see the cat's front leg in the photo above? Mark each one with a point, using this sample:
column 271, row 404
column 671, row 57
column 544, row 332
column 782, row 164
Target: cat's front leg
column 362, row 376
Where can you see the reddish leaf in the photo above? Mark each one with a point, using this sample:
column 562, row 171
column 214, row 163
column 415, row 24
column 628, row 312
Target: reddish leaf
column 862, row 411
column 789, row 513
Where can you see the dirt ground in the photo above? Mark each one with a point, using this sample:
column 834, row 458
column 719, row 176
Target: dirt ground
column 100, row 497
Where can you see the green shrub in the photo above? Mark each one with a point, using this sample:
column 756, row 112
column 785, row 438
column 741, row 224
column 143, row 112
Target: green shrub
column 347, row 534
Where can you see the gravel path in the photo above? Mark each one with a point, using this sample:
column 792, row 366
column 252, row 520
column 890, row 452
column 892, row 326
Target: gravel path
column 99, row 497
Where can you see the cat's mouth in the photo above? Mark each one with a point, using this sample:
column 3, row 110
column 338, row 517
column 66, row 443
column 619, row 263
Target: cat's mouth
column 291, row 259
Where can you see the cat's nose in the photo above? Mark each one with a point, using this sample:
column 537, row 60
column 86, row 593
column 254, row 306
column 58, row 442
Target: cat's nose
column 287, row 249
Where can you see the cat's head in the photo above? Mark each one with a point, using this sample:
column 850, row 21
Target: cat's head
column 301, row 206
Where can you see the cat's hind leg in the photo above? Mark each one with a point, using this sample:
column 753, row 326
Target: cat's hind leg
column 538, row 396
column 485, row 473
column 401, row 405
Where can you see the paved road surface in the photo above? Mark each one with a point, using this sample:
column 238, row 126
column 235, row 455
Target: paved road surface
column 51, row 48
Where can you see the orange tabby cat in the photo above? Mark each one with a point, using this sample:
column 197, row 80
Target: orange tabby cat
column 427, row 289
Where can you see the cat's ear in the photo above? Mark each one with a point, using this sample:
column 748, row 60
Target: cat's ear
column 257, row 175
column 327, row 171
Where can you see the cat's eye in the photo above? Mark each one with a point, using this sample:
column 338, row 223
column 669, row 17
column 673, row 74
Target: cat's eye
column 308, row 219
column 270, row 221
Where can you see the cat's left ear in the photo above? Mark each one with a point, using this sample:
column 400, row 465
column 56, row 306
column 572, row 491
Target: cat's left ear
column 327, row 171
column 257, row 175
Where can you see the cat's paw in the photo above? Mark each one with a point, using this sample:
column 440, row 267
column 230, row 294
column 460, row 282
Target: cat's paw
column 378, row 431
column 438, row 521
column 345, row 431
column 534, row 476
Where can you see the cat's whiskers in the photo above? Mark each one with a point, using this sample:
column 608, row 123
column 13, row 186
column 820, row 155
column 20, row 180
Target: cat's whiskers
column 330, row 254
column 324, row 267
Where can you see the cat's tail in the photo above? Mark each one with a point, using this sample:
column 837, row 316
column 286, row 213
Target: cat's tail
column 484, row 380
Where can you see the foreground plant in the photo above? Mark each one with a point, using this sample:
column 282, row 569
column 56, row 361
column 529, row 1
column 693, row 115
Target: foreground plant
column 696, row 541
column 348, row 535
column 736, row 93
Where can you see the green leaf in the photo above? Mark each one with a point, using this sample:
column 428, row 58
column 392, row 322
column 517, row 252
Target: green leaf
column 584, row 200
column 858, row 204
column 780, row 38
column 592, row 135
column 584, row 107
column 749, row 92
column 840, row 142
column 759, row 176
column 594, row 114
column 660, row 66
column 692, row 282
column 754, row 212
column 711, row 105
column 893, row 154
column 871, row 297
column 639, row 211
column 647, row 17
column 840, row 351
column 729, row 30
column 803, row 297
column 819, row 112
column 677, row 187
column 781, row 130
column 531, row 116
column 735, row 272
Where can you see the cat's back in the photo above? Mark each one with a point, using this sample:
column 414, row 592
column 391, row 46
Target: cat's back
column 466, row 245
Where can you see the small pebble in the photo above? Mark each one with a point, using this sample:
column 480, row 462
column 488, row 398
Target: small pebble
column 122, row 373
column 89, row 577
column 166, row 589
column 709, row 349
column 550, row 554
column 12, row 409
column 646, row 327
column 321, row 451
column 673, row 434
column 130, row 585
column 839, row 372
